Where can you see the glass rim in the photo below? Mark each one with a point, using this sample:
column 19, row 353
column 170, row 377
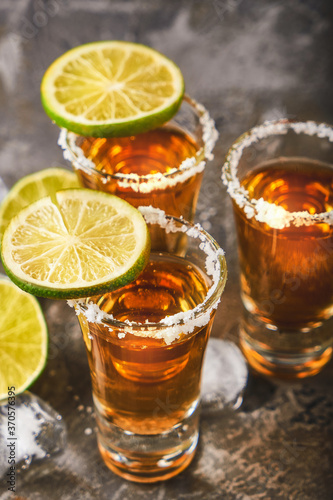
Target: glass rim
column 195, row 164
column 275, row 216
column 170, row 327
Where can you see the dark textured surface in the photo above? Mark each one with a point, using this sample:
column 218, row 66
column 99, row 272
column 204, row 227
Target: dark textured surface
column 246, row 61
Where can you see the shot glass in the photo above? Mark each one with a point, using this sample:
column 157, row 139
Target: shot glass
column 145, row 345
column 280, row 178
column 163, row 167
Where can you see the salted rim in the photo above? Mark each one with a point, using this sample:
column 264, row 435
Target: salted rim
column 275, row 216
column 149, row 182
column 171, row 327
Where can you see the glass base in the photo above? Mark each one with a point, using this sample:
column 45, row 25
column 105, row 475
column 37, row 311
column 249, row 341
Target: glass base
column 287, row 354
column 149, row 458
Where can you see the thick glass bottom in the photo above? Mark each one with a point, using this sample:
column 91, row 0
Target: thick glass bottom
column 148, row 458
column 287, row 354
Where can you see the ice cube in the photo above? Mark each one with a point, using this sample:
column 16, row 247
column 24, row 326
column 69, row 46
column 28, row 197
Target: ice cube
column 224, row 375
column 38, row 432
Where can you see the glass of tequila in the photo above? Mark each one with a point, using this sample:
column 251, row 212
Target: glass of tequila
column 280, row 178
column 145, row 344
column 163, row 167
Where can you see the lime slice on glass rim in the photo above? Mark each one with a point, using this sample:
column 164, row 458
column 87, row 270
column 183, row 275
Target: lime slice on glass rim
column 31, row 188
column 23, row 339
column 111, row 88
column 78, row 243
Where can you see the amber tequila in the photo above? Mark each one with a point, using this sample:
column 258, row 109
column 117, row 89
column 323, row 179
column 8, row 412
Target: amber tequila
column 285, row 242
column 145, row 359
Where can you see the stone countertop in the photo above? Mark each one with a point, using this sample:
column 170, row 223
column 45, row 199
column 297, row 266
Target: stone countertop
column 246, row 61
